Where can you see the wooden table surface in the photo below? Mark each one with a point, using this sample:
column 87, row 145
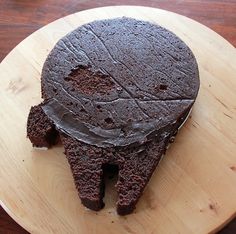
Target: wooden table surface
column 18, row 19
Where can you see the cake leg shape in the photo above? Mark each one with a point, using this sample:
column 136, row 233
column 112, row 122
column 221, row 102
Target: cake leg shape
column 135, row 173
column 86, row 166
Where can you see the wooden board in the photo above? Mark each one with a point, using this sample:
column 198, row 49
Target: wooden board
column 192, row 191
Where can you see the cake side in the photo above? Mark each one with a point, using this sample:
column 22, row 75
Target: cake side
column 40, row 129
column 135, row 164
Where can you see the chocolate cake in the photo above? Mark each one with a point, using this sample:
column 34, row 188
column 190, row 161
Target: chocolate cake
column 116, row 91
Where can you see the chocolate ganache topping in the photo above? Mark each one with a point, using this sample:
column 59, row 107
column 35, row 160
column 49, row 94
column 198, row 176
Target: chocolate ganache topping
column 118, row 82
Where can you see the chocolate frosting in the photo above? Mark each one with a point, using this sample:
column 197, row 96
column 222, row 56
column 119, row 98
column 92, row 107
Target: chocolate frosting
column 118, row 82
column 133, row 133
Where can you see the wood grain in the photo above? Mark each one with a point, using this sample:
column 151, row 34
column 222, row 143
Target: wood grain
column 39, row 26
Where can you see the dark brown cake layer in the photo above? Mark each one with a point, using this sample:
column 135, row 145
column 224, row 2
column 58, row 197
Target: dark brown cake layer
column 40, row 129
column 116, row 91
column 120, row 79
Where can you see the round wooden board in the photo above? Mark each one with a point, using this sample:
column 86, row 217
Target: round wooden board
column 192, row 191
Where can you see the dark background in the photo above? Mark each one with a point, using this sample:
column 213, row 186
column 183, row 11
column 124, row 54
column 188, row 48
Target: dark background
column 19, row 18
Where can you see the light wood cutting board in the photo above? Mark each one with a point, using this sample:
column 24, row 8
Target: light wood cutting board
column 192, row 191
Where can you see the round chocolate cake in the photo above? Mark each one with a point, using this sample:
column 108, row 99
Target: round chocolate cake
column 116, row 92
